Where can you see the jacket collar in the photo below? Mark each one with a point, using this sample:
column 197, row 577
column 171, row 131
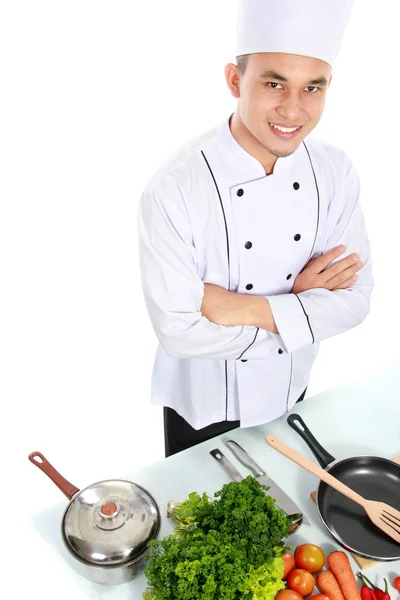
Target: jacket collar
column 243, row 166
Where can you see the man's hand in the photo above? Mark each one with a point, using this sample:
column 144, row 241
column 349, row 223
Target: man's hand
column 231, row 308
column 339, row 276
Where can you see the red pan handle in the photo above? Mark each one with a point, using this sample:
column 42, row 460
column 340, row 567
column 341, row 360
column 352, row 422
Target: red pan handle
column 43, row 464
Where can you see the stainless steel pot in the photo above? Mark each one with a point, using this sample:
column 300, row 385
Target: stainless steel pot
column 107, row 526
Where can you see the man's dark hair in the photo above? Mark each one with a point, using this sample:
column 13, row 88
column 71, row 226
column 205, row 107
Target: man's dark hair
column 242, row 62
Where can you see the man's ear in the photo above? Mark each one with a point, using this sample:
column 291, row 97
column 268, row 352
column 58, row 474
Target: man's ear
column 232, row 77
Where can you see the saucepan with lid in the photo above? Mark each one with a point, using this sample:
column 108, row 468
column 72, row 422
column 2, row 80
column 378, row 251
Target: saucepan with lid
column 107, row 526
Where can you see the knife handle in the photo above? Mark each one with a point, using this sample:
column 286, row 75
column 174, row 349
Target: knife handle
column 244, row 458
column 226, row 465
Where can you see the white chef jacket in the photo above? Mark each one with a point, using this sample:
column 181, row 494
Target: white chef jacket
column 210, row 214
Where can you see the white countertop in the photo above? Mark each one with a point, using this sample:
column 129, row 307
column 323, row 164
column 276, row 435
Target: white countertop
column 358, row 418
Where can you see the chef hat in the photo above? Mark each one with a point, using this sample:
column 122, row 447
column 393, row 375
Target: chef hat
column 308, row 27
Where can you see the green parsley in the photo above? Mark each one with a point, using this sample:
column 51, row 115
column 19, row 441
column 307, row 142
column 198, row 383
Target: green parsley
column 229, row 547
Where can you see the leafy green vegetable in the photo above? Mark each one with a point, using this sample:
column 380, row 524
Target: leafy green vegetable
column 266, row 581
column 229, row 547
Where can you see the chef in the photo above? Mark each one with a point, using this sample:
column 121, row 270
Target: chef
column 252, row 240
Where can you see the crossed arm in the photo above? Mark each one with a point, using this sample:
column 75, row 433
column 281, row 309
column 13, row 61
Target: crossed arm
column 231, row 308
column 193, row 319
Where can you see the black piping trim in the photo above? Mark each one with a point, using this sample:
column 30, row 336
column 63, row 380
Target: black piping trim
column 226, row 390
column 316, row 185
column 308, row 320
column 229, row 273
column 290, row 382
column 250, row 345
column 226, row 226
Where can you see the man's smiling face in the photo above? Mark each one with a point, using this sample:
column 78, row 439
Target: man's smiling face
column 281, row 98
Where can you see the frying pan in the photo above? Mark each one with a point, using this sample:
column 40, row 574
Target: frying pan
column 374, row 478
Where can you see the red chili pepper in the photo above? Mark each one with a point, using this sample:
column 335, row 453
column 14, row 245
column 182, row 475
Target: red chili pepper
column 396, row 583
column 385, row 595
column 379, row 594
column 367, row 593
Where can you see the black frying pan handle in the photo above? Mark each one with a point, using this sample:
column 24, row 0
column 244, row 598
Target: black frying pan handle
column 322, row 456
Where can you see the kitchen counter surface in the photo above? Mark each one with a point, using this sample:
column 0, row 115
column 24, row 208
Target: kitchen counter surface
column 353, row 419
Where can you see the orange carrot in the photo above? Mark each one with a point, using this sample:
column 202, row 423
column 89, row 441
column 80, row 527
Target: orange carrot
column 340, row 566
column 327, row 584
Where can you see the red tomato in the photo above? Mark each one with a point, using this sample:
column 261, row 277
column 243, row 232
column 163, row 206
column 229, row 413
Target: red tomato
column 319, row 597
column 290, row 563
column 396, row 584
column 288, row 595
column 301, row 581
column 309, row 557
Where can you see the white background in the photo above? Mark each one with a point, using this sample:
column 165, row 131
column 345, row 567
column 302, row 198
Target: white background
column 95, row 95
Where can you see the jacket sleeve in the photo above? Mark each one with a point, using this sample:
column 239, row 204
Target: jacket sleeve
column 317, row 314
column 173, row 290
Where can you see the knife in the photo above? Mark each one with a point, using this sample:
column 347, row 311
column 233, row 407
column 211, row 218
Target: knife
column 297, row 518
column 226, row 465
column 282, row 499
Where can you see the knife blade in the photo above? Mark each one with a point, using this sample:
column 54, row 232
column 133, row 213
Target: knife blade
column 236, row 476
column 282, row 499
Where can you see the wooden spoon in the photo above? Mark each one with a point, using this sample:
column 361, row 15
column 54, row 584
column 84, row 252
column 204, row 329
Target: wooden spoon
column 382, row 515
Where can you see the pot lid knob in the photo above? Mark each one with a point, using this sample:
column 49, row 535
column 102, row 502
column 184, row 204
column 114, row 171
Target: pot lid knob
column 109, row 510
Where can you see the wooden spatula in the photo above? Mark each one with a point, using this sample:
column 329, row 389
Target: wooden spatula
column 382, row 515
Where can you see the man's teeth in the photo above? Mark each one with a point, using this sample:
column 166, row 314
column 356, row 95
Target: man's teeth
column 285, row 129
